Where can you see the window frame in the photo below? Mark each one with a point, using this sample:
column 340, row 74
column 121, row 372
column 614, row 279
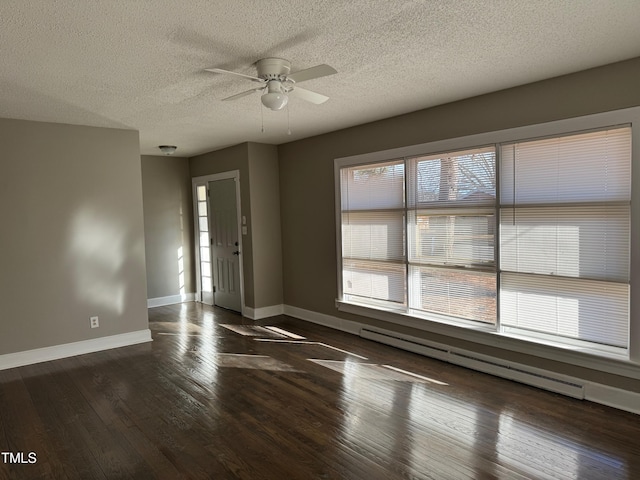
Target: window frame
column 613, row 360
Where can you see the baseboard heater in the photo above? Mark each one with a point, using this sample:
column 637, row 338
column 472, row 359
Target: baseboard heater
column 544, row 379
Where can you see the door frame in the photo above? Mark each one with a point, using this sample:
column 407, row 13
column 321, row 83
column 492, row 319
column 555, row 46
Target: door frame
column 204, row 180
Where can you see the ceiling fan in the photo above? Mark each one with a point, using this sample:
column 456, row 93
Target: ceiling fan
column 277, row 83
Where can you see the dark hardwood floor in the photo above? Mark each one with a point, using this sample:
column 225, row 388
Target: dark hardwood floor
column 206, row 401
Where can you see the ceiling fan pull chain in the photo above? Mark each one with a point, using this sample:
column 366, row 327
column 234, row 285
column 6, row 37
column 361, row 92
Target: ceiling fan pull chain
column 262, row 117
column 288, row 122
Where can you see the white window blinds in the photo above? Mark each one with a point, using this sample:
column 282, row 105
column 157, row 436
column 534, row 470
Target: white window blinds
column 373, row 233
column 451, row 231
column 564, row 235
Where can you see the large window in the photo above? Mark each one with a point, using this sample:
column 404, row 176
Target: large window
column 530, row 238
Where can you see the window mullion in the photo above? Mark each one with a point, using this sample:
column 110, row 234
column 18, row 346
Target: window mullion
column 496, row 235
column 410, row 287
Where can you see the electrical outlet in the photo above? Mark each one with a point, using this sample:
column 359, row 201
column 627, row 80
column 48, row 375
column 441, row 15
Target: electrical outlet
column 94, row 322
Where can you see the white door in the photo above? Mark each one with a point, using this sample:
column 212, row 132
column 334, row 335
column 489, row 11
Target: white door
column 225, row 250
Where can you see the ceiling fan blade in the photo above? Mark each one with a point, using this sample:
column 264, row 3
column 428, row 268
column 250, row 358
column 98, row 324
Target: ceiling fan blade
column 308, row 95
column 242, row 94
column 229, row 72
column 311, row 73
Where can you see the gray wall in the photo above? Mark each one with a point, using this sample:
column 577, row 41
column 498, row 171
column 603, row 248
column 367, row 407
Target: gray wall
column 264, row 184
column 260, row 204
column 71, row 239
column 225, row 160
column 307, row 179
column 168, row 225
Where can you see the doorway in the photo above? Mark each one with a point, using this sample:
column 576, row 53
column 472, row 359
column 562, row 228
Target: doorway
column 218, row 243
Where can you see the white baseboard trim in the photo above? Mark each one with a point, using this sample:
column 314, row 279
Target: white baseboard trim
column 263, row 312
column 29, row 357
column 613, row 397
column 594, row 392
column 323, row 319
column 171, row 300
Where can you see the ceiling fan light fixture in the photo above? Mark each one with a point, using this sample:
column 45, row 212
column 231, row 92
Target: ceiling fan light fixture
column 275, row 101
column 275, row 98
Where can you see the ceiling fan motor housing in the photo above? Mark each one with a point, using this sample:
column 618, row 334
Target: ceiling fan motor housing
column 273, row 68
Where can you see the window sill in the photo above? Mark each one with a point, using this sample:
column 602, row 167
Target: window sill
column 614, row 361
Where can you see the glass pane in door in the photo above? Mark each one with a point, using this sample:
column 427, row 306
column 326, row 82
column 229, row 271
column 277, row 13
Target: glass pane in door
column 206, row 281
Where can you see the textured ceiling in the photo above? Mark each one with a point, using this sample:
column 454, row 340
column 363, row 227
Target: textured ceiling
column 139, row 63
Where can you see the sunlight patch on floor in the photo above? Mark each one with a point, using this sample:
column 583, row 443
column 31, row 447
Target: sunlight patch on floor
column 422, row 377
column 255, row 362
column 268, row 331
column 285, row 333
column 252, row 331
column 185, row 334
column 311, row 343
column 373, row 371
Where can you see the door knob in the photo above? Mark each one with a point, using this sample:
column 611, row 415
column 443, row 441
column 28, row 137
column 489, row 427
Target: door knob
column 237, row 252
